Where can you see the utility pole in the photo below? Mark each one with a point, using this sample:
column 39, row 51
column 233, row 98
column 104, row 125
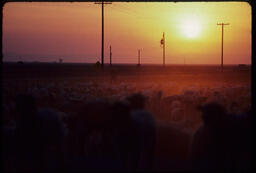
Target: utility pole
column 102, row 35
column 222, row 35
column 163, row 43
column 110, row 56
column 139, row 57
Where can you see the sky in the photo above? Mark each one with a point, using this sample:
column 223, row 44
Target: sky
column 47, row 31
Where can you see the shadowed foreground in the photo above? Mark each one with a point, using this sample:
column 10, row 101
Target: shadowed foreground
column 144, row 120
column 123, row 136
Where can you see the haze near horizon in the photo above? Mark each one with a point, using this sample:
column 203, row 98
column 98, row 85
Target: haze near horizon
column 47, row 31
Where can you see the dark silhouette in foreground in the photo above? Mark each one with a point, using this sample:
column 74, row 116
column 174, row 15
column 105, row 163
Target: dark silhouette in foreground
column 224, row 140
column 37, row 141
column 121, row 136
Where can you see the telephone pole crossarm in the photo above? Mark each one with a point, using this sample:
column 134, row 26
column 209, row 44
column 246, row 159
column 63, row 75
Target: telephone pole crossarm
column 222, row 23
column 103, row 2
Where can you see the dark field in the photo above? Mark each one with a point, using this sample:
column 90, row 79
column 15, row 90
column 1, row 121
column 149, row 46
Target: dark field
column 173, row 93
column 170, row 72
column 180, row 76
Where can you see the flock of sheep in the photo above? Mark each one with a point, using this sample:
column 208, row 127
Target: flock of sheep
column 100, row 126
column 163, row 103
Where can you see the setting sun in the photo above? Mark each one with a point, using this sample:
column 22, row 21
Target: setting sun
column 191, row 28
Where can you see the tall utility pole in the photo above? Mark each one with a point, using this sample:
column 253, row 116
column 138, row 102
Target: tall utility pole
column 102, row 35
column 139, row 57
column 222, row 35
column 163, row 43
column 110, row 56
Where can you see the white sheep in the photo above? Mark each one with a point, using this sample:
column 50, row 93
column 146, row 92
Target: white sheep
column 177, row 114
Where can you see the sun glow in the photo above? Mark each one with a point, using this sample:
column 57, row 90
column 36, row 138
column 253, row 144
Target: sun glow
column 191, row 28
column 72, row 31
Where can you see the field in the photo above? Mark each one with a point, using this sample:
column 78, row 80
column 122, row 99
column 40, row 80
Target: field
column 173, row 92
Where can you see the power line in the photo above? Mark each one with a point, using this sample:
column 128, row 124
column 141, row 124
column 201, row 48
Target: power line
column 120, row 10
column 131, row 12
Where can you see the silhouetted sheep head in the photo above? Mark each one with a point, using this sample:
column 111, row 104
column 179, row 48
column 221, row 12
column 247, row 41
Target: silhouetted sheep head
column 26, row 107
column 137, row 101
column 213, row 113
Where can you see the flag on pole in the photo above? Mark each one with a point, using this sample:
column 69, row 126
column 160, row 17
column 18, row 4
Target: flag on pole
column 162, row 41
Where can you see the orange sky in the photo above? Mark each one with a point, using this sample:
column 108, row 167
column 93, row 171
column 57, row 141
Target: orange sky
column 48, row 31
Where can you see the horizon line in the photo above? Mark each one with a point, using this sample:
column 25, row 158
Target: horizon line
column 55, row 62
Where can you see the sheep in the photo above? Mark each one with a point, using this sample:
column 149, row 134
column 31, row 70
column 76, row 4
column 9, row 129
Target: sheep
column 122, row 136
column 173, row 146
column 63, row 117
column 233, row 107
column 92, row 118
column 95, row 136
column 146, row 128
column 241, row 133
column 171, row 102
column 176, row 104
column 127, row 132
column 221, row 141
column 144, row 125
column 190, row 100
column 8, row 147
column 40, row 136
column 177, row 114
column 53, row 133
column 6, row 114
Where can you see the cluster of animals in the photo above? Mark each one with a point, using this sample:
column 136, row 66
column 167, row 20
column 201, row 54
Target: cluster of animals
column 119, row 135
column 65, row 96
